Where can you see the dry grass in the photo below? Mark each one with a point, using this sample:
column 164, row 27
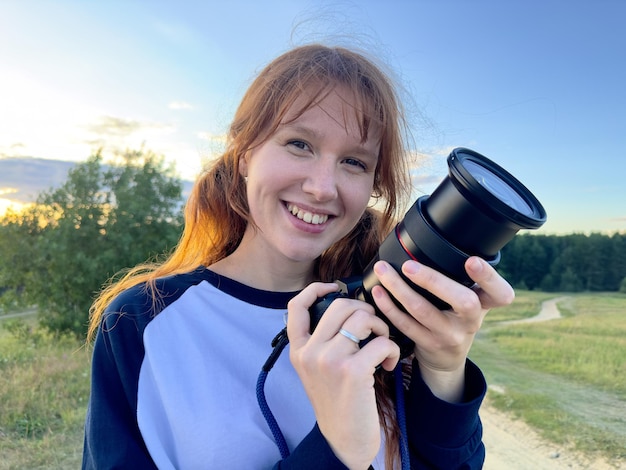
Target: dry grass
column 44, row 387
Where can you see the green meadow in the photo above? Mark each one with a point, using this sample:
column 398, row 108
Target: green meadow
column 44, row 387
column 565, row 377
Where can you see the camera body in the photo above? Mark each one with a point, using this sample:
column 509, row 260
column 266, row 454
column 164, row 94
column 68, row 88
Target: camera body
column 476, row 210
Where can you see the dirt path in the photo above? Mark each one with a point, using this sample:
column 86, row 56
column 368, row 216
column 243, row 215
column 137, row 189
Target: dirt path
column 513, row 445
column 25, row 313
column 549, row 311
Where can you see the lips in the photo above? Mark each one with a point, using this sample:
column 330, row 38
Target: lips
column 306, row 216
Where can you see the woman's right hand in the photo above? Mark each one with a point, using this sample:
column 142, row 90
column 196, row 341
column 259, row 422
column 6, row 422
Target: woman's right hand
column 337, row 374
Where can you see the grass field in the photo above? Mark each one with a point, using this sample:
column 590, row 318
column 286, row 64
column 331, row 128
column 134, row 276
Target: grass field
column 565, row 377
column 44, row 386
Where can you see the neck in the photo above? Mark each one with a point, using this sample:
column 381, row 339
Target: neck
column 261, row 272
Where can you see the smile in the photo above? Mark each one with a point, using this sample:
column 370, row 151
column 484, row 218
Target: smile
column 306, row 216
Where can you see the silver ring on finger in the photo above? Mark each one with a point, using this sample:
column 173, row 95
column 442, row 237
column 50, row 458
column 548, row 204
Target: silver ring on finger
column 350, row 336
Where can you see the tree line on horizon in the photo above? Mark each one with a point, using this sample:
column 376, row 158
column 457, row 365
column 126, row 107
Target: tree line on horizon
column 58, row 253
column 566, row 263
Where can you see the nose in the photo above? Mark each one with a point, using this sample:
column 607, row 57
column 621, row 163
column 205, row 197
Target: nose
column 321, row 181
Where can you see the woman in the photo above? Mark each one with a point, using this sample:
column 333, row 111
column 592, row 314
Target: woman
column 280, row 215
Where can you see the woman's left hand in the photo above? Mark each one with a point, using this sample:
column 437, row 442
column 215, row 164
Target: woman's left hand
column 442, row 338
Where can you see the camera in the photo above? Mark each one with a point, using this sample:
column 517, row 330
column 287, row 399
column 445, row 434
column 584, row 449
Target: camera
column 476, row 210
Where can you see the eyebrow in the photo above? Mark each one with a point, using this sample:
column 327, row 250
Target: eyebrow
column 300, row 129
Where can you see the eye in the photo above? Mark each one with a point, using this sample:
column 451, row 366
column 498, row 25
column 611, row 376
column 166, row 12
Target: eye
column 299, row 144
column 358, row 164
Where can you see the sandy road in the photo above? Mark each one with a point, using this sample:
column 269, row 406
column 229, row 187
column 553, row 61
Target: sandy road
column 25, row 313
column 513, row 445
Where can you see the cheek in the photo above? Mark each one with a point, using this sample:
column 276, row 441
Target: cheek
column 262, row 188
column 358, row 198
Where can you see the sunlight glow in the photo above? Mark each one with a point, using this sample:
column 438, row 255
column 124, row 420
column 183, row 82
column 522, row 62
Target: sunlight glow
column 6, row 204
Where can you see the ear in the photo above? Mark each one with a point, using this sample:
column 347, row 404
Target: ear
column 243, row 165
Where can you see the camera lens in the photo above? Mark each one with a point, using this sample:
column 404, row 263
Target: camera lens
column 498, row 187
column 480, row 206
column 476, row 210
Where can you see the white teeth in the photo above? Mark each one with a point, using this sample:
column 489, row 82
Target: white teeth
column 308, row 217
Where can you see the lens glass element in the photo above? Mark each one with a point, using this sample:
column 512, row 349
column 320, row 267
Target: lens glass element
column 498, row 187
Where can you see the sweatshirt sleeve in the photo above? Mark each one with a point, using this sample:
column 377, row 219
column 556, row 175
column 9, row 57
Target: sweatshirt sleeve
column 312, row 453
column 112, row 436
column 441, row 434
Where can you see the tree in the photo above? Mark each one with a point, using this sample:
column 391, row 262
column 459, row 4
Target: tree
column 572, row 263
column 101, row 220
column 533, row 264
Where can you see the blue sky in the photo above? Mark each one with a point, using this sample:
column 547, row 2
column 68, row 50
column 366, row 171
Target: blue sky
column 538, row 85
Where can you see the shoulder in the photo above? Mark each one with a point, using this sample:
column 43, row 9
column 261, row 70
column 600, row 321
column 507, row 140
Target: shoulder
column 139, row 304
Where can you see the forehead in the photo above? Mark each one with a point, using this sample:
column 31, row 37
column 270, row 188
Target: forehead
column 338, row 104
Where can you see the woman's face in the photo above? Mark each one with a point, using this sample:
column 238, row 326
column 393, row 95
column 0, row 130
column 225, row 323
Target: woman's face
column 309, row 182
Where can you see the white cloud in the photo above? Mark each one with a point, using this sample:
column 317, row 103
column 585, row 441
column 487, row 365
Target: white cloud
column 180, row 105
column 214, row 144
column 115, row 134
column 216, row 138
column 5, row 191
column 37, row 119
column 113, row 126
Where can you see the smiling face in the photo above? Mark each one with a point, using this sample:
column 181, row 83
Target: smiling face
column 308, row 183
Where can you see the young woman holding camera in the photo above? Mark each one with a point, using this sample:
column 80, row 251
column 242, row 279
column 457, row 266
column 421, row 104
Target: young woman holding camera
column 268, row 227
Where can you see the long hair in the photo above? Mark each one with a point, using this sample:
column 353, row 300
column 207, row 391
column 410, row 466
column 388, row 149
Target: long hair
column 217, row 214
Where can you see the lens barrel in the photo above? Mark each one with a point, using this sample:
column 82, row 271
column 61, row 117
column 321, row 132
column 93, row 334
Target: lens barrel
column 479, row 212
column 476, row 210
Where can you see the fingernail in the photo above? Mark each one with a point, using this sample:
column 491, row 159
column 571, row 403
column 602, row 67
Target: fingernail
column 411, row 267
column 380, row 267
column 377, row 292
column 475, row 265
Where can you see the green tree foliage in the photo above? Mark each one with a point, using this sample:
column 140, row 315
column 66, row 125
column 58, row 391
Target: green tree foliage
column 58, row 253
column 569, row 263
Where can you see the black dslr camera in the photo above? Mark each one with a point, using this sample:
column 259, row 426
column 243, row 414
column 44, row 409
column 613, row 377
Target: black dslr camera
column 476, row 210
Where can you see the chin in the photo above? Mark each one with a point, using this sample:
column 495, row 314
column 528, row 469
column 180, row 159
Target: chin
column 301, row 255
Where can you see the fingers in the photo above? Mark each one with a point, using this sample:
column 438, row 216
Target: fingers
column 355, row 316
column 491, row 288
column 343, row 325
column 360, row 326
column 299, row 320
column 422, row 321
column 459, row 297
column 442, row 338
